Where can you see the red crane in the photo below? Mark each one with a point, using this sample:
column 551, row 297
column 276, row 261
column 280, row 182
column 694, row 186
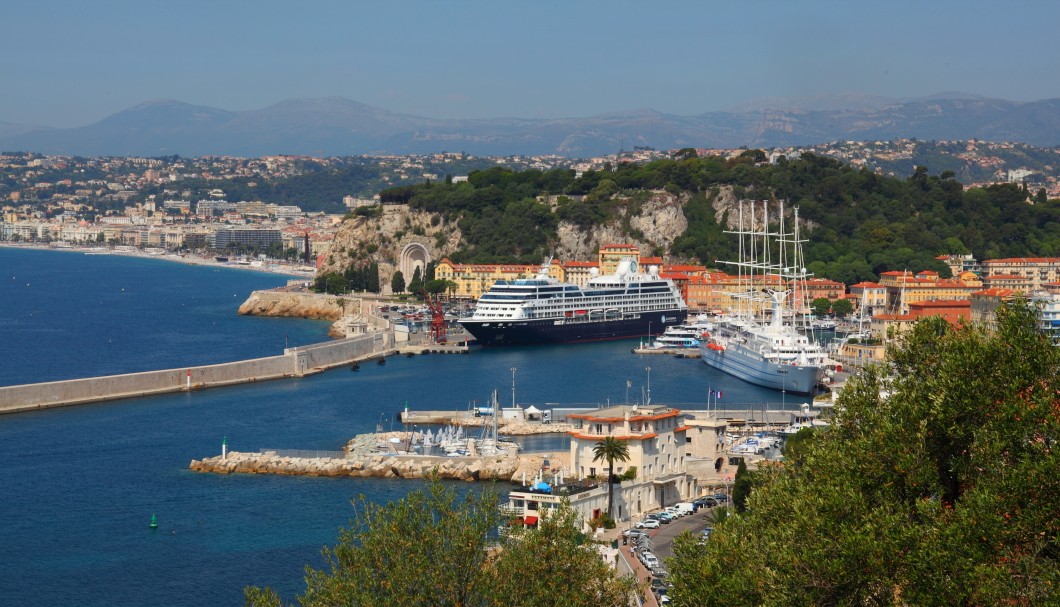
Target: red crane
column 438, row 326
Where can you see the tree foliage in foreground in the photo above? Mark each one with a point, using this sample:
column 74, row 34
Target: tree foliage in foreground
column 434, row 548
column 936, row 487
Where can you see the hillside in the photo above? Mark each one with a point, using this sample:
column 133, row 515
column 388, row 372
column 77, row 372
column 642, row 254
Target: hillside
column 858, row 223
column 335, row 127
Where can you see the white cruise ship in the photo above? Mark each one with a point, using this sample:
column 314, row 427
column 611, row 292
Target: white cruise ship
column 628, row 303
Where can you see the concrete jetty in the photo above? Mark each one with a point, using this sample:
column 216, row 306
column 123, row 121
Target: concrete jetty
column 294, row 362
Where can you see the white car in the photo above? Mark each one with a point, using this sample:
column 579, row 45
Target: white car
column 648, row 523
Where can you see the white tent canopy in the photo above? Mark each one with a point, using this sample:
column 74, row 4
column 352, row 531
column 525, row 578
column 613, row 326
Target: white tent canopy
column 532, row 410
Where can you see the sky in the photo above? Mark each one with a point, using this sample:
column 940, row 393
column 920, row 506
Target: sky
column 72, row 63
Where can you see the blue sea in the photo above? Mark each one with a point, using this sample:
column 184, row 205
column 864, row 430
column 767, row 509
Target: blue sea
column 79, row 484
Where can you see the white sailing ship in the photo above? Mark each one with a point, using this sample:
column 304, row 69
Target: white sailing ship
column 768, row 352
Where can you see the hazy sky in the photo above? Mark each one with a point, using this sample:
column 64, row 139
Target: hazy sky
column 75, row 62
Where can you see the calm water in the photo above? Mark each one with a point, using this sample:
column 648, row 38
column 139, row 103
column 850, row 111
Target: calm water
column 80, row 483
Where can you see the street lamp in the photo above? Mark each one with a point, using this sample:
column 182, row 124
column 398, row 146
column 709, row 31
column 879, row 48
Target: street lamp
column 648, row 369
column 513, row 390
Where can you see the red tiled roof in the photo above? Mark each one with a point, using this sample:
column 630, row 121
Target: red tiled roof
column 1024, row 260
column 996, row 292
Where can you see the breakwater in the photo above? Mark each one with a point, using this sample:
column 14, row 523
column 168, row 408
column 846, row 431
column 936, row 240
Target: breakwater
column 294, row 362
column 381, row 466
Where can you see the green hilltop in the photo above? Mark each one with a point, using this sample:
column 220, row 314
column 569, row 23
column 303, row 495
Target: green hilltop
column 858, row 223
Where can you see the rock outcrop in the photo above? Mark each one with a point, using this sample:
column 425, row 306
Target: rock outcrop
column 296, row 305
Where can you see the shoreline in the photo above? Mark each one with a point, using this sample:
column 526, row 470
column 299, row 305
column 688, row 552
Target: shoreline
column 190, row 259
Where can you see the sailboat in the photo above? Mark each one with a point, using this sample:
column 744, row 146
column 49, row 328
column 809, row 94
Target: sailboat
column 488, row 443
column 772, row 354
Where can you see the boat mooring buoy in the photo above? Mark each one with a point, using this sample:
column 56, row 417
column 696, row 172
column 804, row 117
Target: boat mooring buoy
column 154, row 522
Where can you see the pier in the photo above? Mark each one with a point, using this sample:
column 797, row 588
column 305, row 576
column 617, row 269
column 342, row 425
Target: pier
column 294, row 362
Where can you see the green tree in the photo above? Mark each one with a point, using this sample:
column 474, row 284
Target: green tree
column 416, row 284
column 842, row 307
column 609, row 450
column 428, row 548
column 935, row 485
column 397, row 282
column 434, row 547
column 741, row 487
column 555, row 564
column 821, row 306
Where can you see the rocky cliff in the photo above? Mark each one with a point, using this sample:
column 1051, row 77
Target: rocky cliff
column 650, row 220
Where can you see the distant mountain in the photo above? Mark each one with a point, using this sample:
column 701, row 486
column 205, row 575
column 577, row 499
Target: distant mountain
column 337, row 126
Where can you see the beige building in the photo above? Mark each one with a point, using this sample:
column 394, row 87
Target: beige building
column 1027, row 274
column 655, row 436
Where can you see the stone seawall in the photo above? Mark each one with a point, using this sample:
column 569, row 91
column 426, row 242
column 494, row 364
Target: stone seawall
column 379, row 466
column 294, row 362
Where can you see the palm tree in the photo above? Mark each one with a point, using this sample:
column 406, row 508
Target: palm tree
column 610, row 449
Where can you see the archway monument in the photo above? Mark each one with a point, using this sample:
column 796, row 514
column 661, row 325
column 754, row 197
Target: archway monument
column 414, row 255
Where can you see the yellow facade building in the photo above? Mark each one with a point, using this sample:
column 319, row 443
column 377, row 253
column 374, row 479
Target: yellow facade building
column 472, row 280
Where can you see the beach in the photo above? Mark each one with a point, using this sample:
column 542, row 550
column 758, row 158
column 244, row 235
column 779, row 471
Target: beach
column 271, row 266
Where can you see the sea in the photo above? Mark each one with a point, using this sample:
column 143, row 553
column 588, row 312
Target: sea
column 79, row 485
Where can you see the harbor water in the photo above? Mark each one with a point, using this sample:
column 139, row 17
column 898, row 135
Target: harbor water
column 81, row 483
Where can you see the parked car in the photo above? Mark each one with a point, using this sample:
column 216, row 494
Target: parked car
column 648, row 523
column 662, row 517
column 633, row 534
column 646, row 556
column 721, row 497
column 706, row 502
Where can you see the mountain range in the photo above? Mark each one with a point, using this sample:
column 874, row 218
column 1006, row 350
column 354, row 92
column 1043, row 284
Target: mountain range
column 335, row 126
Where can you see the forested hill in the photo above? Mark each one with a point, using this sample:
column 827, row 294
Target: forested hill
column 857, row 223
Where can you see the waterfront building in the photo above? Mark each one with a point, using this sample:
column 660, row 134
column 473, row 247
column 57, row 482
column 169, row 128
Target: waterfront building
column 904, row 287
column 817, row 288
column 472, row 280
column 871, row 297
column 706, row 455
column 655, row 437
column 579, row 272
column 610, row 255
column 250, row 237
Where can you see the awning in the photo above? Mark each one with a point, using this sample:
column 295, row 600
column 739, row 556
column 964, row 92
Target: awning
column 530, row 520
column 531, row 410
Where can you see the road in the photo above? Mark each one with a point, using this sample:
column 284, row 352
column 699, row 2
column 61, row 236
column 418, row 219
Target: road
column 663, row 537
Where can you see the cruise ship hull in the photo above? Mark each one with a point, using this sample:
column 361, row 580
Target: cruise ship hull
column 753, row 369
column 554, row 331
